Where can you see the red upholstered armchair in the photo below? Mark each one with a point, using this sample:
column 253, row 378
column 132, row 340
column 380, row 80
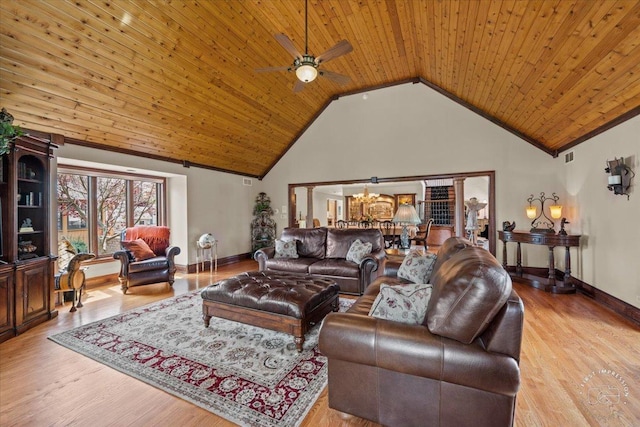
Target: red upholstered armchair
column 146, row 256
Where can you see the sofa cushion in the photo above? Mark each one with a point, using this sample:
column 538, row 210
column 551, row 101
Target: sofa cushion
column 468, row 290
column 417, row 267
column 156, row 236
column 151, row 264
column 335, row 267
column 358, row 251
column 286, row 249
column 311, row 241
column 293, row 265
column 402, row 303
column 139, row 248
column 339, row 240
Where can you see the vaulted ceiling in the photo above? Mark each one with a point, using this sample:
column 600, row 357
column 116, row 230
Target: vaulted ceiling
column 176, row 80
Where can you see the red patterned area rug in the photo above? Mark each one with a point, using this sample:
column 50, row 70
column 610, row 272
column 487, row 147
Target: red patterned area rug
column 248, row 375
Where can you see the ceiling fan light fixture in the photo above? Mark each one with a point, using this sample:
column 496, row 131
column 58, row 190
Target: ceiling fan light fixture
column 306, row 73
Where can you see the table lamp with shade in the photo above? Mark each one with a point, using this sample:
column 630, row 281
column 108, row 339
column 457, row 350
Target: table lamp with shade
column 405, row 215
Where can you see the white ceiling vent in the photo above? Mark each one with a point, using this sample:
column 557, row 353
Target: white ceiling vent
column 247, row 182
column 568, row 158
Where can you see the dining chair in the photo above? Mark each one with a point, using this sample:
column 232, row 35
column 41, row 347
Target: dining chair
column 341, row 223
column 388, row 229
column 423, row 234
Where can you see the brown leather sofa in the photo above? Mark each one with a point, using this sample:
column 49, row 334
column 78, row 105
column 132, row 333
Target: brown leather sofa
column 159, row 268
column 459, row 368
column 322, row 252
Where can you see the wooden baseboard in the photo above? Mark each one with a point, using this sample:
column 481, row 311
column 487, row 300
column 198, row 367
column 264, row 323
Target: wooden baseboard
column 94, row 282
column 192, row 268
column 623, row 308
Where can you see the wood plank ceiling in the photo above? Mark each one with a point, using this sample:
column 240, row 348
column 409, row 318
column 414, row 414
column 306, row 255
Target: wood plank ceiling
column 176, row 79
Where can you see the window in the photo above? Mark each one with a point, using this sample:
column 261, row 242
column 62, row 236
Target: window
column 73, row 214
column 95, row 206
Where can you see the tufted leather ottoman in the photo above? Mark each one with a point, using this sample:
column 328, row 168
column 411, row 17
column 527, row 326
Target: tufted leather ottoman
column 285, row 302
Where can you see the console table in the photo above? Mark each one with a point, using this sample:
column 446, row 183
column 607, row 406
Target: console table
column 551, row 240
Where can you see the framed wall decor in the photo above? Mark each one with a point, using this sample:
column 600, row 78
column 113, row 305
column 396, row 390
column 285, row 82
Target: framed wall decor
column 406, row 199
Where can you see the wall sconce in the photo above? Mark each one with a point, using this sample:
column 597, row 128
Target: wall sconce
column 620, row 176
column 545, row 225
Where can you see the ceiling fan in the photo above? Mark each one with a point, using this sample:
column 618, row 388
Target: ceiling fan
column 307, row 66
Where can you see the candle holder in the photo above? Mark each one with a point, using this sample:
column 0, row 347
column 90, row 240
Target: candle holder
column 620, row 176
column 541, row 223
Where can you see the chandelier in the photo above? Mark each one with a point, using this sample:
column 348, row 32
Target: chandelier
column 366, row 197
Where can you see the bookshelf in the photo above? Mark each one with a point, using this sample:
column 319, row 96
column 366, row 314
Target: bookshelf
column 26, row 263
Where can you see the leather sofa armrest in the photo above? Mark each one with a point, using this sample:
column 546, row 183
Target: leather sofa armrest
column 170, row 253
column 123, row 256
column 391, row 268
column 262, row 255
column 376, row 257
column 369, row 265
column 413, row 350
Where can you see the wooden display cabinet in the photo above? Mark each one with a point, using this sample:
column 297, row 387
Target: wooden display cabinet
column 26, row 263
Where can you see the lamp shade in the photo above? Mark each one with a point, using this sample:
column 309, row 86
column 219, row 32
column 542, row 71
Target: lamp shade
column 306, row 73
column 531, row 212
column 556, row 211
column 406, row 214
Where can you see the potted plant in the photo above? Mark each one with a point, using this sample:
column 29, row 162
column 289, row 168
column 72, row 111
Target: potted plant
column 8, row 132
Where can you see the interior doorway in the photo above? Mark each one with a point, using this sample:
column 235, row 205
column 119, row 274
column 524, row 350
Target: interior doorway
column 479, row 185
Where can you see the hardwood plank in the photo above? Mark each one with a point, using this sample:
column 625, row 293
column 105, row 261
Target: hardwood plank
column 566, row 338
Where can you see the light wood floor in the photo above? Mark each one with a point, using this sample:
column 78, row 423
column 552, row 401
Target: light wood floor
column 568, row 341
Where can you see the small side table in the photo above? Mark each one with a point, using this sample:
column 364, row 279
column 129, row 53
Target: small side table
column 551, row 240
column 201, row 257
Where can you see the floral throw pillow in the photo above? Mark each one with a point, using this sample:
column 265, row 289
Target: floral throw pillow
column 358, row 250
column 286, row 249
column 417, row 267
column 402, row 303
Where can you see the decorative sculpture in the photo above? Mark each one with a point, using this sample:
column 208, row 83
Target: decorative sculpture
column 508, row 226
column 473, row 206
column 562, row 231
column 209, row 245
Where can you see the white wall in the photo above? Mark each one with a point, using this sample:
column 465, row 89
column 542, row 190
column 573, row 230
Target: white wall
column 412, row 130
column 610, row 252
column 199, row 201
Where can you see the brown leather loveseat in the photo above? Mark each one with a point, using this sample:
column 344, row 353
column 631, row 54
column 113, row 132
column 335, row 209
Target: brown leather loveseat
column 460, row 367
column 322, row 252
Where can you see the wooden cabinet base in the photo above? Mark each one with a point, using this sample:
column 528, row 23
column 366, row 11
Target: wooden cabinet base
column 26, row 326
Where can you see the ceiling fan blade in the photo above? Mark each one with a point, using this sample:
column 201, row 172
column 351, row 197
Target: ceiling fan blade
column 288, row 45
column 298, row 86
column 338, row 78
column 269, row 69
column 341, row 48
